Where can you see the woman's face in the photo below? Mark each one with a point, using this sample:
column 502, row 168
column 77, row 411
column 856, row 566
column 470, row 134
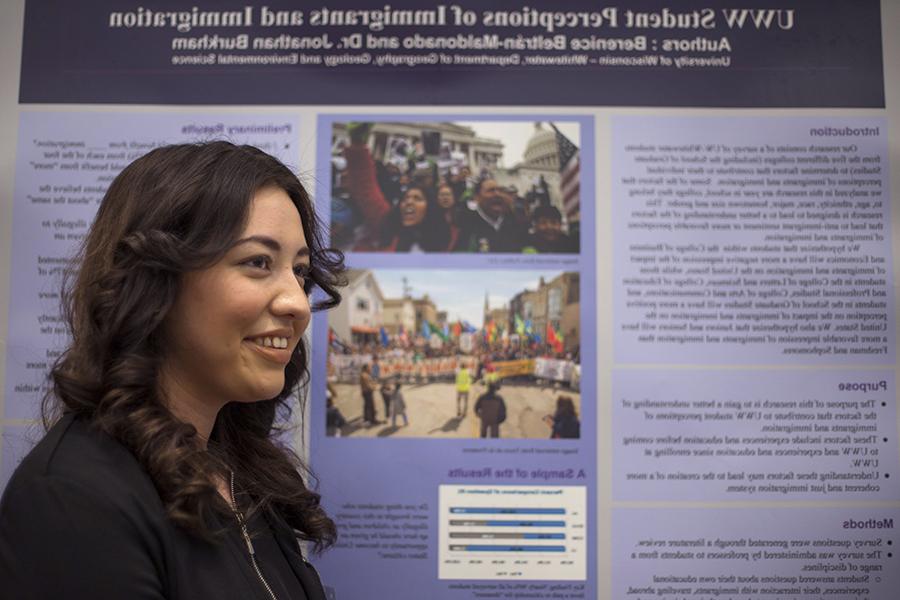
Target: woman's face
column 445, row 197
column 235, row 325
column 413, row 208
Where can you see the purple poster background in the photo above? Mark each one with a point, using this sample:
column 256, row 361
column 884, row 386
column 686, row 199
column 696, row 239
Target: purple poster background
column 647, row 53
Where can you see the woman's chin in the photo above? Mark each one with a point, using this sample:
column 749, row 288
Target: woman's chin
column 265, row 390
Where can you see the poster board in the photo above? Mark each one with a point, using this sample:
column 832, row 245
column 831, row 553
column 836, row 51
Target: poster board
column 736, row 305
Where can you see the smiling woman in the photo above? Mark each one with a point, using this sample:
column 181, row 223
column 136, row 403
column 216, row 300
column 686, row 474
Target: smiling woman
column 160, row 473
column 235, row 325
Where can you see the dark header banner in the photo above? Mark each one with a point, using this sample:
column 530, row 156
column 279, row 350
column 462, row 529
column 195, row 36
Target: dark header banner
column 651, row 53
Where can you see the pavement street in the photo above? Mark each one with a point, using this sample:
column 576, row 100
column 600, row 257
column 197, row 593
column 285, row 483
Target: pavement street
column 431, row 409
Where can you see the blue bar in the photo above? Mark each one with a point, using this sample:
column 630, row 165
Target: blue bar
column 507, row 511
column 525, row 523
column 491, row 548
column 515, row 535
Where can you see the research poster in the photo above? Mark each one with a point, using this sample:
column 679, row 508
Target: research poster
column 620, row 319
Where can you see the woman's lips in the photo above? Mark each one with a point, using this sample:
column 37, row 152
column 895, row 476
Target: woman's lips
column 277, row 355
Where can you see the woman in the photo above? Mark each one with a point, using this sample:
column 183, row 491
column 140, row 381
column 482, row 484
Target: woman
column 445, row 199
column 564, row 423
column 417, row 224
column 450, row 209
column 161, row 477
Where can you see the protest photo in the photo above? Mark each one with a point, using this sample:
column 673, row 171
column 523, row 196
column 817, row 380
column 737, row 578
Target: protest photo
column 463, row 187
column 418, row 353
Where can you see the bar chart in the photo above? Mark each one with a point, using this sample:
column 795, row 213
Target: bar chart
column 512, row 532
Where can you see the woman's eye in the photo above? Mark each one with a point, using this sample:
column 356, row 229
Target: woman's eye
column 258, row 262
column 304, row 276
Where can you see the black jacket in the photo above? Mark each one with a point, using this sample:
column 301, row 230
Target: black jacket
column 477, row 235
column 80, row 518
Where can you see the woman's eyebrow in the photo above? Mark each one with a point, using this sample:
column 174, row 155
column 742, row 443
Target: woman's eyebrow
column 270, row 243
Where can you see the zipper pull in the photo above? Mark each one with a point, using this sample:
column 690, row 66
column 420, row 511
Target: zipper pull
column 248, row 542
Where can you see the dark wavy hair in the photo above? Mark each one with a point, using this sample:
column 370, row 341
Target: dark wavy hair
column 178, row 209
column 565, row 408
column 432, row 234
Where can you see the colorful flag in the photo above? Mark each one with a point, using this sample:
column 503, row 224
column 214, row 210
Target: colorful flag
column 553, row 338
column 426, row 330
column 520, row 325
column 435, row 330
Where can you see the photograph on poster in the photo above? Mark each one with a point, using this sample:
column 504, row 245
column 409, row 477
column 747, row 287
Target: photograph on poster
column 479, row 186
column 432, row 354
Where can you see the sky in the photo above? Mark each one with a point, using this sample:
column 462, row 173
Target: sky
column 456, row 292
column 515, row 135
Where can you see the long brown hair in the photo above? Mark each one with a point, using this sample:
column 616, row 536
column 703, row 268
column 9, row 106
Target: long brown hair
column 178, row 209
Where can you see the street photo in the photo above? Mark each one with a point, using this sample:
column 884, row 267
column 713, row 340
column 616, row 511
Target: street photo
column 455, row 354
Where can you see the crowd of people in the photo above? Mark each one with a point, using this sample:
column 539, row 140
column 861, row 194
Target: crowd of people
column 413, row 205
column 416, row 348
column 425, row 365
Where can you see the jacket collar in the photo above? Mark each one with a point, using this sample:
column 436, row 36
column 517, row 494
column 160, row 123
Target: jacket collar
column 305, row 572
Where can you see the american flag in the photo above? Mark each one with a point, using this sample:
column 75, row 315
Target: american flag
column 569, row 167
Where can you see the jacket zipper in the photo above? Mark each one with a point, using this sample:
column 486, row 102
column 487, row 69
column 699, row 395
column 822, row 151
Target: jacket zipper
column 313, row 569
column 246, row 536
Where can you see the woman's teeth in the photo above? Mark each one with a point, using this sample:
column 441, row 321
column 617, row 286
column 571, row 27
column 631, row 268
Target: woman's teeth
column 272, row 342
